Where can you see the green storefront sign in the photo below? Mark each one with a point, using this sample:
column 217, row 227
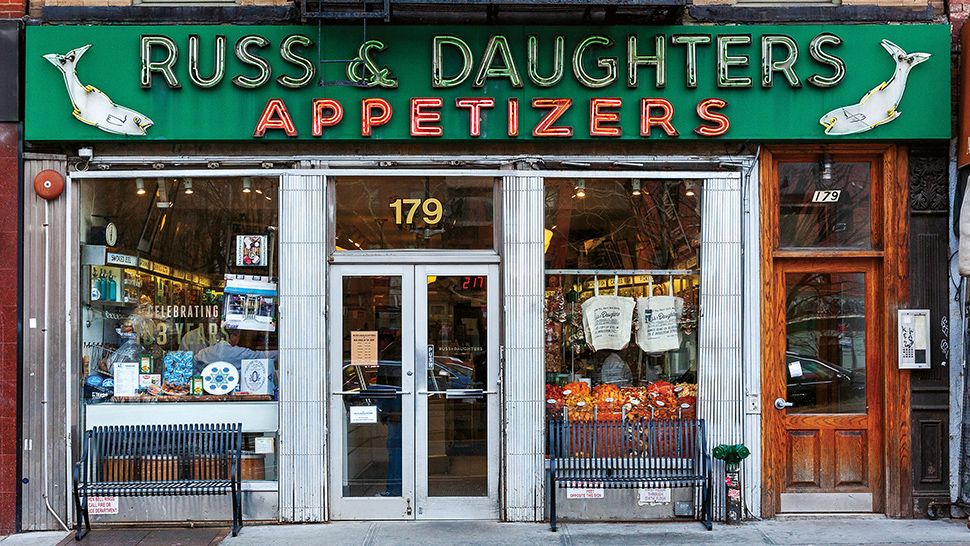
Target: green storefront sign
column 828, row 83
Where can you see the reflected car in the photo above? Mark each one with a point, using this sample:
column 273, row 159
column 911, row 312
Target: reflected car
column 447, row 373
column 823, row 386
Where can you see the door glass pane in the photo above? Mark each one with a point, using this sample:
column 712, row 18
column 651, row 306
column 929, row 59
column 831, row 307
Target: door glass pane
column 372, row 366
column 824, row 206
column 825, row 362
column 425, row 212
column 457, row 368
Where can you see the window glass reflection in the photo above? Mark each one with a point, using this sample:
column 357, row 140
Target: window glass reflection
column 622, row 223
column 825, row 361
column 824, row 204
column 422, row 212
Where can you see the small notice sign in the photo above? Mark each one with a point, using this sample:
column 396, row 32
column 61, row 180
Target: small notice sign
column 102, row 505
column 363, row 415
column 652, row 496
column 363, row 348
column 126, row 378
column 121, row 259
column 584, row 493
column 264, row 444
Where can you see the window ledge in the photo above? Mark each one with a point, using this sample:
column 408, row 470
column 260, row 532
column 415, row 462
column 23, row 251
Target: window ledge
column 184, row 13
column 783, row 12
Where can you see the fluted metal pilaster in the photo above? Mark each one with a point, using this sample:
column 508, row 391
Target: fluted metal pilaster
column 719, row 368
column 523, row 369
column 303, row 355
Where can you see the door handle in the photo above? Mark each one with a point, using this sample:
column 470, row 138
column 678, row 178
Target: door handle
column 372, row 393
column 467, row 393
column 454, row 394
column 781, row 403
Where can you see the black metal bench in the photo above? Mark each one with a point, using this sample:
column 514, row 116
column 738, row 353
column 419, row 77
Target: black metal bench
column 629, row 454
column 158, row 460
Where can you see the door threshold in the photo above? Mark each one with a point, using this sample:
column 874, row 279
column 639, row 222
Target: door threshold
column 829, row 515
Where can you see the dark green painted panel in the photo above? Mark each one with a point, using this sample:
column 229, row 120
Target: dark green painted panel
column 227, row 112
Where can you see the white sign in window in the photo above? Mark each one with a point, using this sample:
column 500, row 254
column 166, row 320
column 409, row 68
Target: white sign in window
column 363, row 415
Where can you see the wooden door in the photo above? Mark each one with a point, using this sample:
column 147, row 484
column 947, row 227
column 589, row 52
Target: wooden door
column 822, row 386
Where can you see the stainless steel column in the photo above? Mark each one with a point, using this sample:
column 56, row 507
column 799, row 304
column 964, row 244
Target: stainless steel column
column 303, row 355
column 46, row 243
column 523, row 367
column 719, row 368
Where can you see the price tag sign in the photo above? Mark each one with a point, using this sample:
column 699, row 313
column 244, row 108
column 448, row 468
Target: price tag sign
column 826, row 196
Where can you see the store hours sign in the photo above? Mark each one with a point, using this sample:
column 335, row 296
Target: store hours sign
column 505, row 83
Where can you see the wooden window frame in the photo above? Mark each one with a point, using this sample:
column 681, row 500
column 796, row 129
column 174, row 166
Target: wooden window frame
column 889, row 206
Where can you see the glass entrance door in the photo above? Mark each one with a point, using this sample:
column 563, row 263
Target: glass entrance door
column 414, row 392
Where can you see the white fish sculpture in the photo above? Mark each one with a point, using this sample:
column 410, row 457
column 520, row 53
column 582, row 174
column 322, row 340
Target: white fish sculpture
column 92, row 106
column 878, row 107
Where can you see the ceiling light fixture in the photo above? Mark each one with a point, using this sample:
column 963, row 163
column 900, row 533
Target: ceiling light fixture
column 247, row 185
column 826, row 174
column 188, row 186
column 580, row 188
column 140, row 185
column 635, row 187
column 690, row 190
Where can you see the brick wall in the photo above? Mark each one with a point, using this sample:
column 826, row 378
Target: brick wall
column 37, row 5
column 959, row 13
column 12, row 9
column 9, row 186
column 882, row 3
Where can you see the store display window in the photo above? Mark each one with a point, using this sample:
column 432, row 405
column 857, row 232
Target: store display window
column 414, row 212
column 631, row 224
column 621, row 299
column 179, row 303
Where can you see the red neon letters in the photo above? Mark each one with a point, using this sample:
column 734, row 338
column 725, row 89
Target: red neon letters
column 545, row 127
column 275, row 116
column 428, row 116
column 664, row 120
column 475, row 112
column 420, row 117
column 336, row 113
column 721, row 122
column 368, row 120
column 599, row 116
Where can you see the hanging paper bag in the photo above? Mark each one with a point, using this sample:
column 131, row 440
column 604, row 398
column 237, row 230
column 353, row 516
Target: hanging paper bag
column 607, row 320
column 657, row 319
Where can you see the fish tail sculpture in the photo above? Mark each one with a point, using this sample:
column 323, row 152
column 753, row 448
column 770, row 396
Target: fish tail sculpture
column 878, row 106
column 91, row 105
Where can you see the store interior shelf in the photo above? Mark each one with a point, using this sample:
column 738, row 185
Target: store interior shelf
column 254, row 416
column 104, row 303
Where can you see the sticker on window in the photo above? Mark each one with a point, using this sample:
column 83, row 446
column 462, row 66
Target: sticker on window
column 795, row 369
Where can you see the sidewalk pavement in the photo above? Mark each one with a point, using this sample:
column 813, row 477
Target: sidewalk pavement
column 788, row 532
column 829, row 531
